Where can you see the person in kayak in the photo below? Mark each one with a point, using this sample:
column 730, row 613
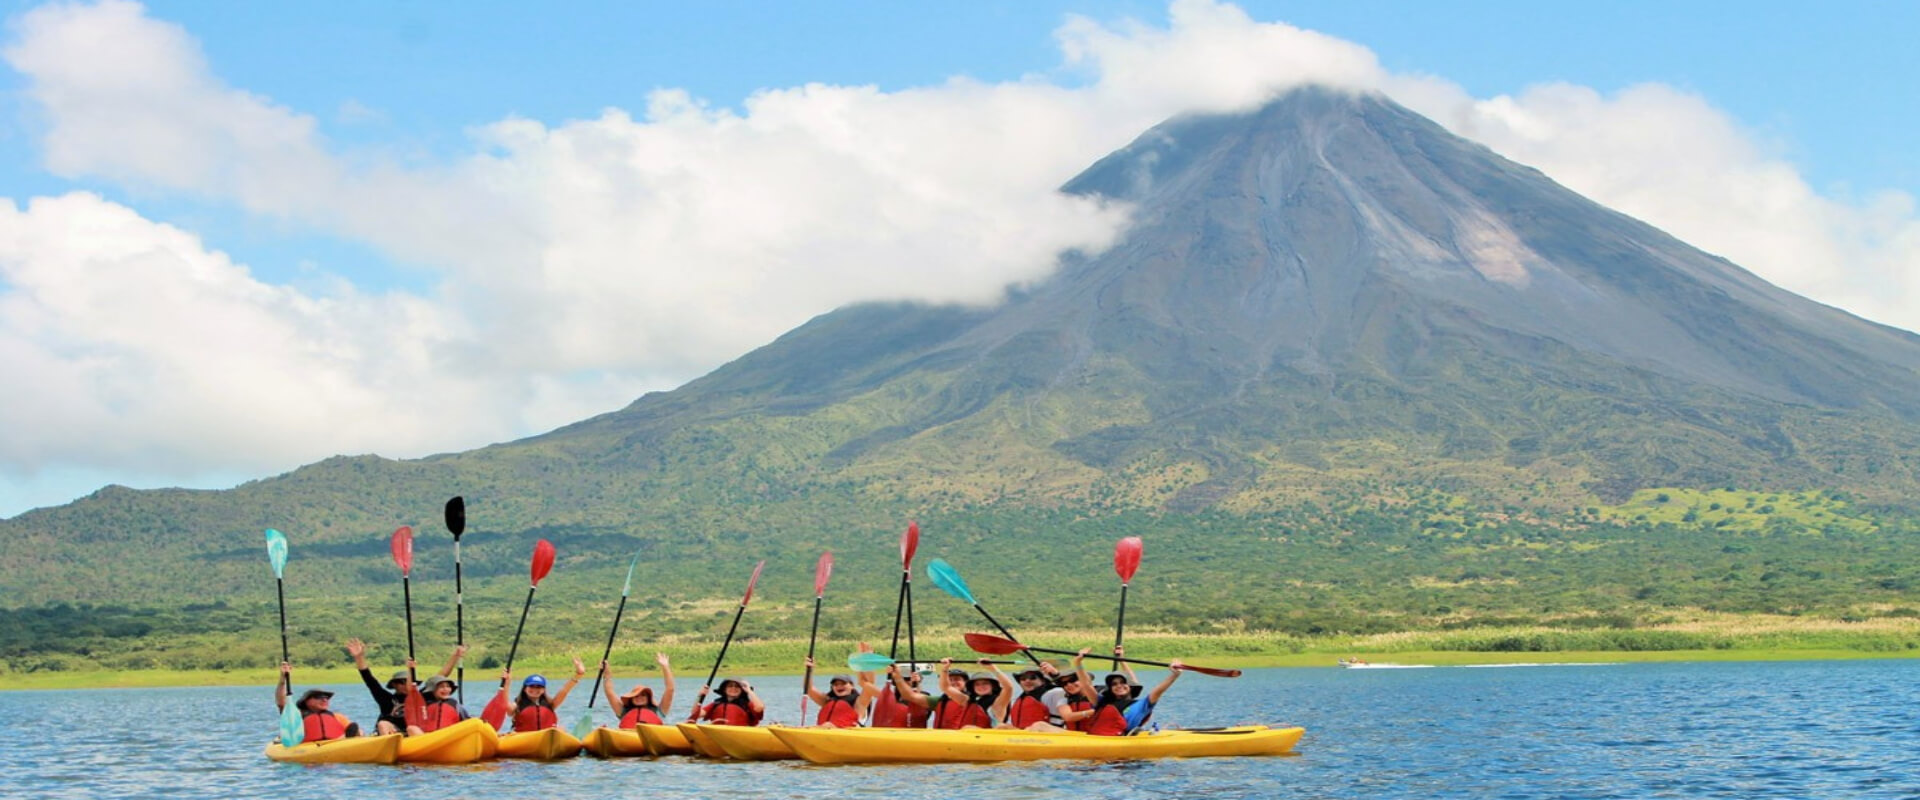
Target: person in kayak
column 1036, row 707
column 637, row 706
column 936, row 708
column 533, row 710
column 316, row 714
column 1119, row 710
column 1078, row 707
column 889, row 708
column 841, row 706
column 393, row 717
column 442, row 709
column 735, row 705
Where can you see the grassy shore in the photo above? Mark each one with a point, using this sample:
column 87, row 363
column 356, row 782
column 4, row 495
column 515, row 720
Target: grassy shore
column 1696, row 637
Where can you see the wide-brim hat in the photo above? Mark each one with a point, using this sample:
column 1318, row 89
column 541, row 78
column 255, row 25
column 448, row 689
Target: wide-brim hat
column 434, row 682
column 309, row 695
column 639, row 690
column 1035, row 672
column 840, row 679
column 400, row 676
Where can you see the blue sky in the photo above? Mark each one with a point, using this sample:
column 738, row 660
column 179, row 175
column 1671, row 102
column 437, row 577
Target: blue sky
column 291, row 170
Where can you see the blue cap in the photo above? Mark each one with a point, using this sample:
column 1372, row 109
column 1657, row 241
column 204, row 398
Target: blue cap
column 535, row 680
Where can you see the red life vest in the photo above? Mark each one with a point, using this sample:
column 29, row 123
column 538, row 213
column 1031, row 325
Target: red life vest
column 1107, row 720
column 638, row 714
column 1077, row 703
column 721, row 712
column 440, row 714
column 949, row 715
column 322, row 726
column 890, row 712
column 535, row 718
column 1027, row 709
column 839, row 711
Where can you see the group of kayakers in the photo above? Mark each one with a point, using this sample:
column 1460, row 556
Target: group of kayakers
column 1043, row 697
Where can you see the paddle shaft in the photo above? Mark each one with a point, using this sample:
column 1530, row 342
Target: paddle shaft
column 608, row 653
column 1120, row 625
column 459, row 620
column 910, row 649
column 806, row 683
column 406, row 600
column 1202, row 670
column 715, row 672
column 280, row 590
column 1024, row 650
column 528, row 606
column 899, row 606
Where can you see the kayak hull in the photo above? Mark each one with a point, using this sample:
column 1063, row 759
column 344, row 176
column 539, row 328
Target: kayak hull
column 871, row 746
column 606, row 742
column 357, row 750
column 550, row 744
column 665, row 740
column 464, row 742
column 703, row 745
column 749, row 743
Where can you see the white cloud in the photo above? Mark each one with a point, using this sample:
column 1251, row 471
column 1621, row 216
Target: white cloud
column 586, row 260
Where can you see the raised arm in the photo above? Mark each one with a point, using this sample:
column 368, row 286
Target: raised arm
column 1174, row 668
column 1086, row 681
column 358, row 650
column 813, row 694
column 579, row 670
column 613, row 700
column 1008, row 690
column 280, row 687
column 666, row 674
column 957, row 694
column 1125, row 666
column 453, row 661
column 907, row 694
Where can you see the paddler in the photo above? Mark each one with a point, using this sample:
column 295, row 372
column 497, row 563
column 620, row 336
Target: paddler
column 890, row 710
column 735, row 705
column 393, row 717
column 637, row 706
column 1119, row 709
column 937, row 708
column 316, row 713
column 442, row 709
column 533, row 709
column 841, row 706
column 1040, row 701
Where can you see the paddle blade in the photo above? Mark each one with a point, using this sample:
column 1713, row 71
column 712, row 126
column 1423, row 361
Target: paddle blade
column 292, row 729
column 948, row 579
column 1126, row 557
column 457, row 517
column 628, row 586
column 869, row 662
column 992, row 645
column 415, row 708
column 751, row 581
column 277, row 552
column 822, row 572
column 909, row 542
column 496, row 711
column 402, row 547
column 584, row 726
column 1218, row 673
column 542, row 560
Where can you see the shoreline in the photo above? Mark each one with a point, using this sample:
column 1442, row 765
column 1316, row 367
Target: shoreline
column 265, row 677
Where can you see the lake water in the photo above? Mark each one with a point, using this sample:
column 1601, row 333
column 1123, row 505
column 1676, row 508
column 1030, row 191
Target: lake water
column 1848, row 729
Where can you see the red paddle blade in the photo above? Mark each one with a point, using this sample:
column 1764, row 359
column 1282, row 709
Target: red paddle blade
column 1126, row 557
column 751, row 581
column 1218, row 673
column 402, row 546
column 415, row 707
column 992, row 645
column 822, row 572
column 909, row 542
column 542, row 560
column 496, row 711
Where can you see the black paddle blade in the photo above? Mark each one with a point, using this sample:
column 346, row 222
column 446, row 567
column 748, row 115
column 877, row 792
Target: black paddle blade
column 457, row 516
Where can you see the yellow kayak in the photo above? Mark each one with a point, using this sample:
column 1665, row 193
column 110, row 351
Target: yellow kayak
column 550, row 744
column 893, row 745
column 702, row 744
column 606, row 742
column 665, row 740
column 357, row 750
column 463, row 742
column 749, row 743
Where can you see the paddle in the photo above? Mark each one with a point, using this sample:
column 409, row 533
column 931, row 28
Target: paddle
column 994, row 645
column 875, row 662
column 456, row 515
column 496, row 711
column 1126, row 560
column 948, row 579
column 821, row 572
column 909, row 542
column 414, row 708
column 585, row 725
column 292, row 731
column 702, row 698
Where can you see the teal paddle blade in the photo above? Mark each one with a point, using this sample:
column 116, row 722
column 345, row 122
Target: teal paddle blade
column 277, row 552
column 630, row 565
column 584, row 726
column 948, row 579
column 869, row 662
column 291, row 729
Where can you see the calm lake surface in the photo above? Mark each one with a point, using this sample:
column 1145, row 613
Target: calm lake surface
column 1843, row 729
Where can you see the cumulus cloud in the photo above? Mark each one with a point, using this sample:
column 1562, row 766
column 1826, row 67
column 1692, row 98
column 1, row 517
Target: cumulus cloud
column 583, row 261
